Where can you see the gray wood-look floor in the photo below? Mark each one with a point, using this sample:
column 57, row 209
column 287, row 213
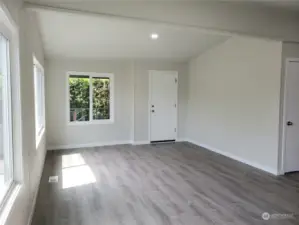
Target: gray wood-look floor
column 164, row 184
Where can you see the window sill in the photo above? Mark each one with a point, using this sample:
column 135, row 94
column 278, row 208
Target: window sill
column 94, row 122
column 39, row 137
column 9, row 202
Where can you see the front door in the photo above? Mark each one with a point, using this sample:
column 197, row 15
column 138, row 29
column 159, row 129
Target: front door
column 163, row 105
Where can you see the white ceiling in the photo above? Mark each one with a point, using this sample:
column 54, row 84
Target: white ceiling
column 283, row 4
column 85, row 36
column 286, row 4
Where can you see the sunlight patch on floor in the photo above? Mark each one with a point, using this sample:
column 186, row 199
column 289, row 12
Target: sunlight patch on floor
column 75, row 172
column 72, row 160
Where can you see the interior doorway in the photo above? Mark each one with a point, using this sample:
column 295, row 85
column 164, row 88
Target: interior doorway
column 290, row 134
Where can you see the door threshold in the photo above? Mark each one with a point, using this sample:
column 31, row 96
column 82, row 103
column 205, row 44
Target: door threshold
column 162, row 141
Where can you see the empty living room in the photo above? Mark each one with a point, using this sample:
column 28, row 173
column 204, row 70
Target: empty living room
column 142, row 112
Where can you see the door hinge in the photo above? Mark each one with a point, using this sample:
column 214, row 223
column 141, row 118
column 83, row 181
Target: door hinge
column 175, row 80
column 174, row 129
column 174, row 105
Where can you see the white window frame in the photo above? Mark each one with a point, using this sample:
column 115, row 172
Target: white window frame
column 9, row 30
column 91, row 120
column 7, row 115
column 39, row 131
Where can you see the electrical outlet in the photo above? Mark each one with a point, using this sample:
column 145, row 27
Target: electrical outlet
column 53, row 179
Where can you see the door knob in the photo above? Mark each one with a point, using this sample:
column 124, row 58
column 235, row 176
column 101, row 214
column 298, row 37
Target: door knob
column 289, row 123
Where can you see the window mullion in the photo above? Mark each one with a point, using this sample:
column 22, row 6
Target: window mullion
column 90, row 98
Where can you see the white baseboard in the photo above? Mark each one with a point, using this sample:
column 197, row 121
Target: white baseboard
column 180, row 139
column 89, row 145
column 140, row 142
column 242, row 160
column 36, row 192
column 148, row 142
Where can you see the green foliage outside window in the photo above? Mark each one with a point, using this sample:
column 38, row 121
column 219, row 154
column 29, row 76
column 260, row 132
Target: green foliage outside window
column 101, row 98
column 79, row 98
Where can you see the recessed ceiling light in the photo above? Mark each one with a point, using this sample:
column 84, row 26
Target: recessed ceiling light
column 154, row 36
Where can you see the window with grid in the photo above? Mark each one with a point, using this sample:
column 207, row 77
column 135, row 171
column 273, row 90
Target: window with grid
column 90, row 98
column 39, row 94
column 6, row 143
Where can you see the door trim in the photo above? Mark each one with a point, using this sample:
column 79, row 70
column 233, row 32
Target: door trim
column 283, row 119
column 150, row 72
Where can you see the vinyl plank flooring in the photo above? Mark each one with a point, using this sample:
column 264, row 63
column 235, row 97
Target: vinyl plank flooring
column 161, row 184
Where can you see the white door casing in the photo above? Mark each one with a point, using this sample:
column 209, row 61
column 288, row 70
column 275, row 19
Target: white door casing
column 291, row 117
column 163, row 88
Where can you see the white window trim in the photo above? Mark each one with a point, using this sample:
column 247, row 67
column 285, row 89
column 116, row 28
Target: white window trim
column 91, row 120
column 8, row 117
column 39, row 134
column 10, row 30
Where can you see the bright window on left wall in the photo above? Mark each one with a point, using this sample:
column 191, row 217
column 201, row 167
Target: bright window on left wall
column 39, row 94
column 6, row 131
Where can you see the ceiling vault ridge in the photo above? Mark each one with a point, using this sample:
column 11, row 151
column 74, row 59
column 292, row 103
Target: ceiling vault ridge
column 111, row 16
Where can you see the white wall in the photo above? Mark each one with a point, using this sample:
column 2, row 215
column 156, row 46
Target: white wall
column 31, row 163
column 131, row 101
column 31, row 44
column 290, row 50
column 61, row 134
column 234, row 99
column 13, row 6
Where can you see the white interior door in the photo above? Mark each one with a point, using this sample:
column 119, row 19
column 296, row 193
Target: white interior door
column 291, row 162
column 163, row 105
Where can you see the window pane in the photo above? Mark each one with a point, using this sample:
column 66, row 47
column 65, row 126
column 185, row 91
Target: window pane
column 79, row 98
column 101, row 98
column 6, row 166
column 39, row 98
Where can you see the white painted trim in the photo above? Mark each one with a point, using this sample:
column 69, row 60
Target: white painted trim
column 181, row 140
column 40, row 137
column 112, row 100
column 237, row 158
column 282, row 132
column 88, row 145
column 14, row 46
column 140, row 142
column 39, row 133
column 90, row 103
column 133, row 101
column 10, row 203
column 94, row 122
column 31, row 213
column 149, row 100
column 12, row 115
column 149, row 105
column 8, row 19
column 8, row 126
